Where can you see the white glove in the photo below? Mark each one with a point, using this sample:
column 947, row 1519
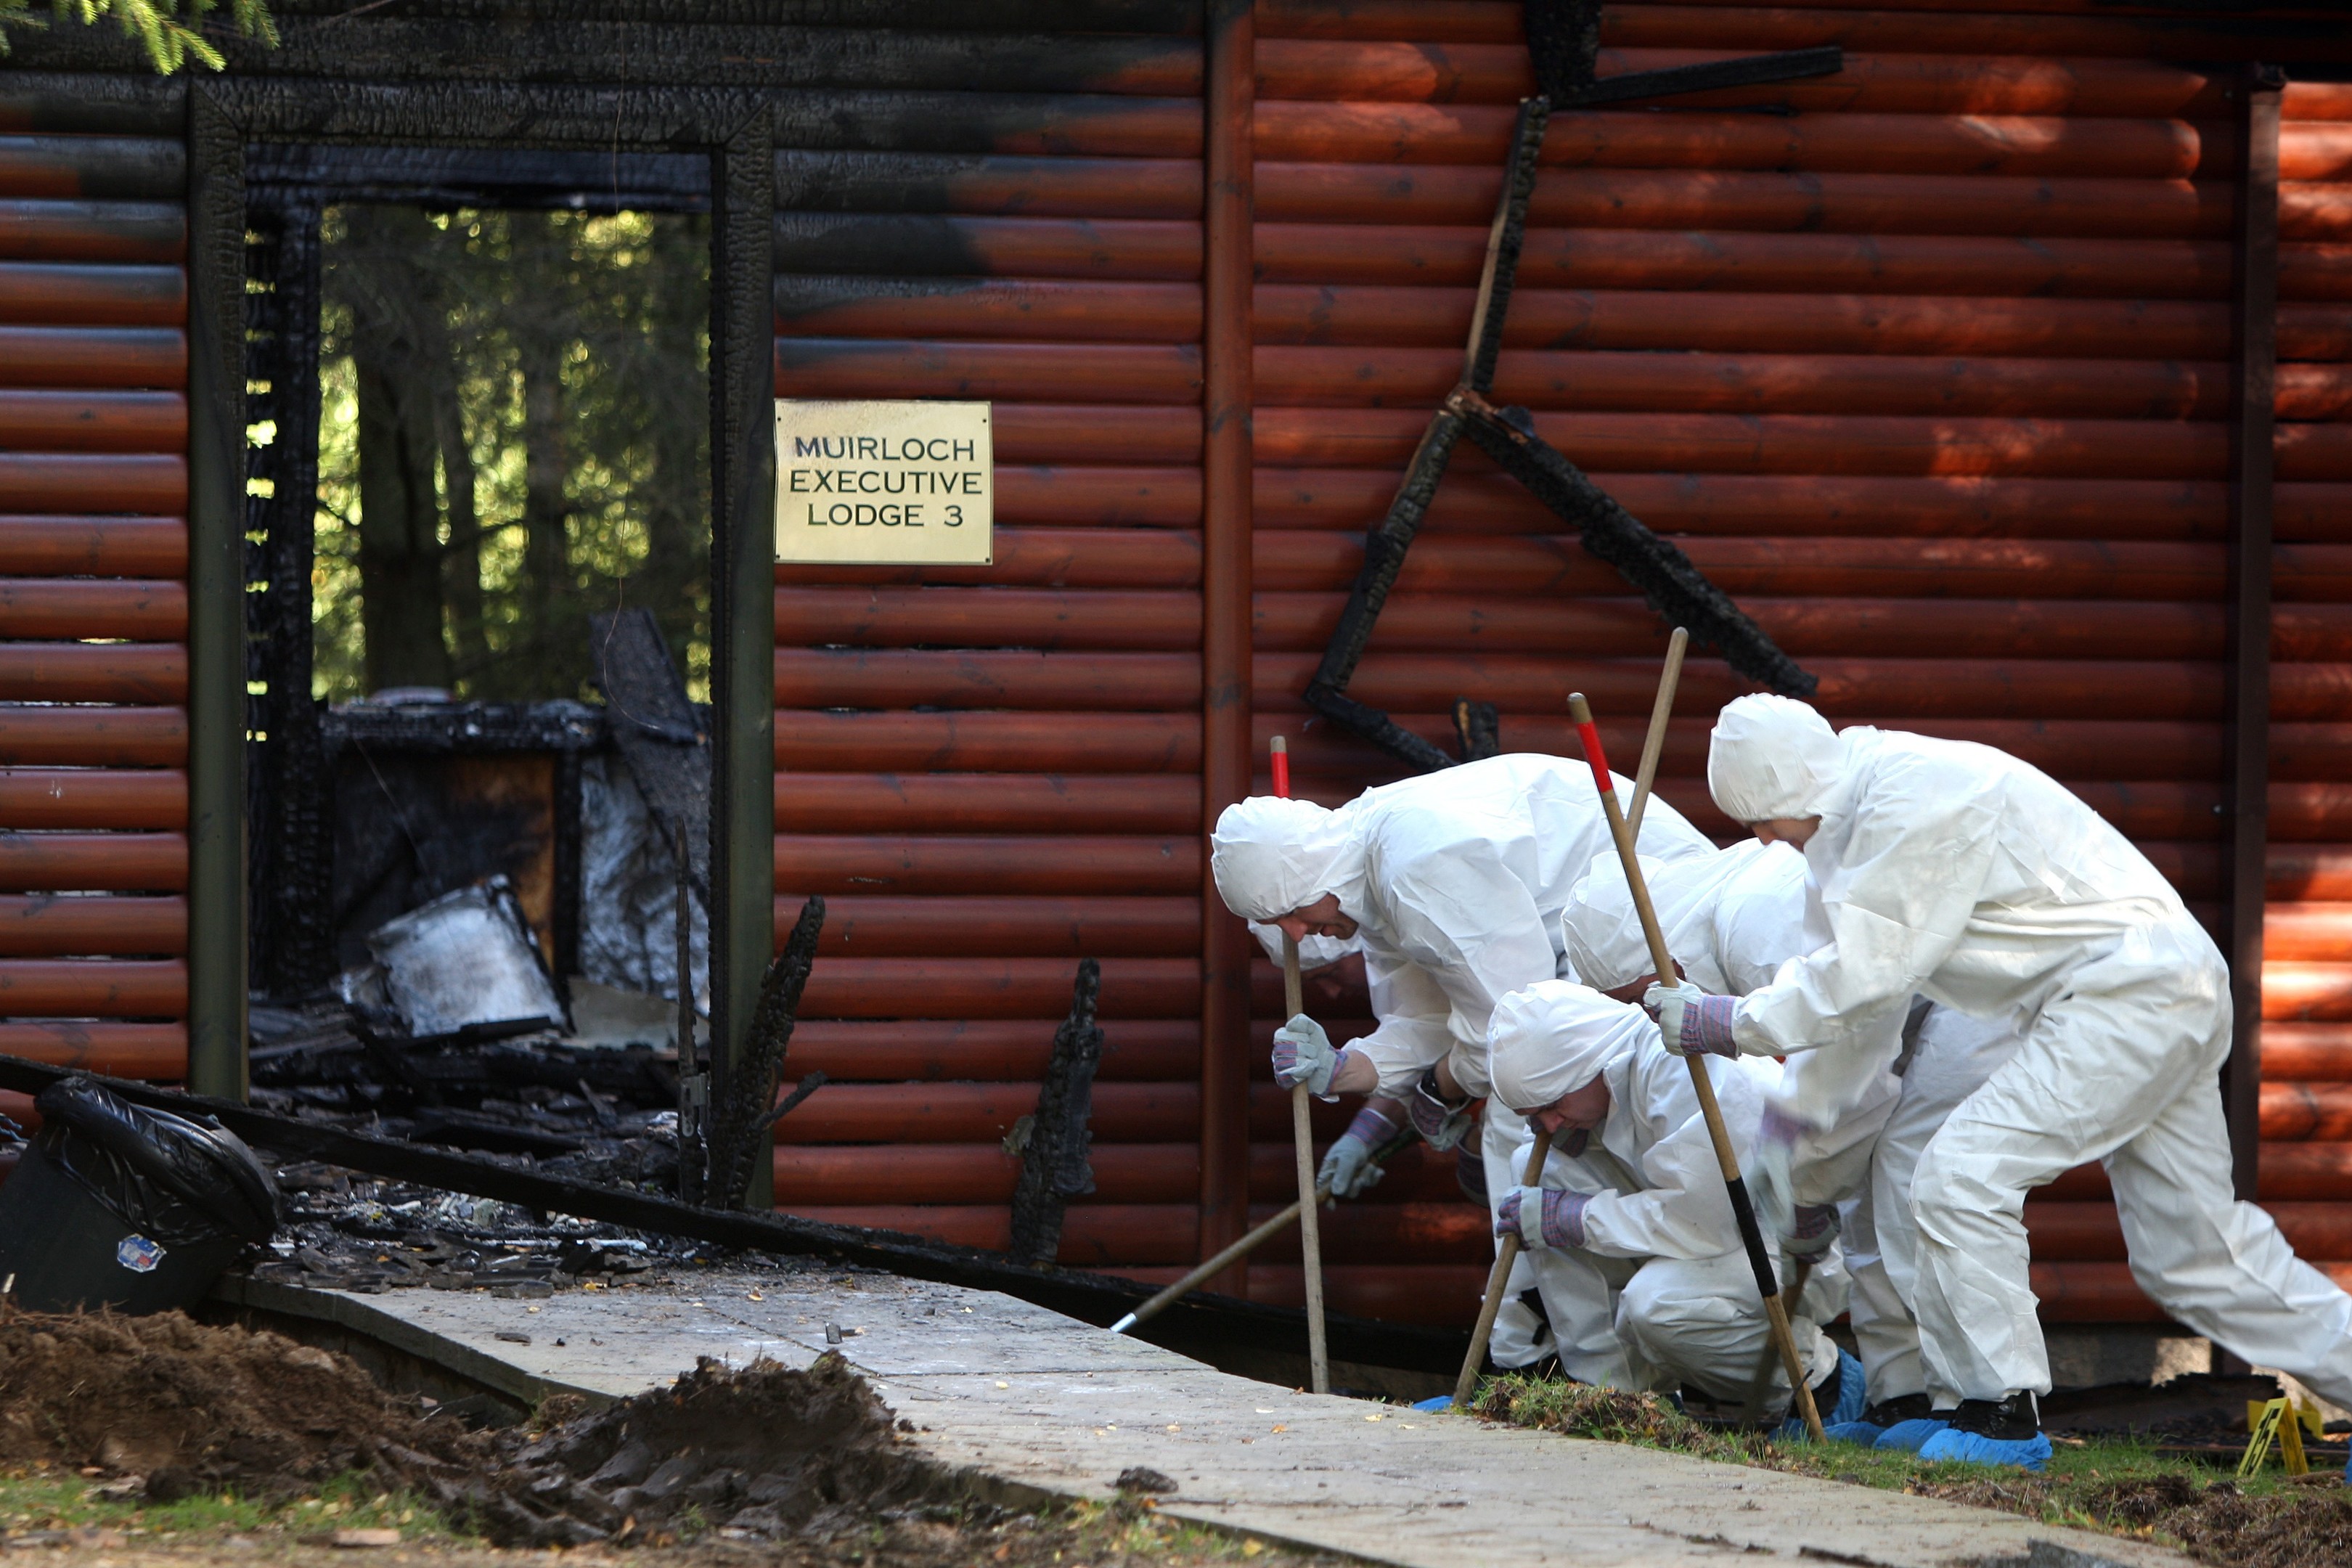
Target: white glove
column 1303, row 1054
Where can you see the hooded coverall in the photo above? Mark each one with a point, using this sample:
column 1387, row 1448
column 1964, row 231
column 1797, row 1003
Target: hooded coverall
column 1955, row 870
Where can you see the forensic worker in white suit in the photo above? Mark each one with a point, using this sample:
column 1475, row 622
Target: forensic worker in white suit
column 1956, row 871
column 1452, row 883
column 1632, row 1196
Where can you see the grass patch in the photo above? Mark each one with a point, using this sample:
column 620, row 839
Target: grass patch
column 2118, row 1486
column 38, row 1501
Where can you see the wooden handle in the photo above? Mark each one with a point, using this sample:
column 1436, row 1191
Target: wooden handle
column 1498, row 1277
column 1302, row 1136
column 1725, row 1158
column 1169, row 1296
column 1653, row 744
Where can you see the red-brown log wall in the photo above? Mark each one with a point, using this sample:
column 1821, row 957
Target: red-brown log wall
column 1928, row 364
column 93, row 598
column 991, row 773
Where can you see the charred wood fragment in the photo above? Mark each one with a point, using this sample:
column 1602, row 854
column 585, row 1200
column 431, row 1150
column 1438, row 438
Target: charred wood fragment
column 1053, row 1166
column 741, row 1119
column 1564, row 45
column 1478, row 727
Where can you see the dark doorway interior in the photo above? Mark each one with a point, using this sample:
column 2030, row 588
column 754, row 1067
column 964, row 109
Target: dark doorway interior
column 481, row 414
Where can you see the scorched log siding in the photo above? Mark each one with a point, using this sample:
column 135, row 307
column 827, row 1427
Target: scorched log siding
column 1929, row 370
column 2306, row 990
column 93, row 598
column 991, row 773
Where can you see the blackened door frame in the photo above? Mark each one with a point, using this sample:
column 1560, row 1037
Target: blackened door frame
column 735, row 130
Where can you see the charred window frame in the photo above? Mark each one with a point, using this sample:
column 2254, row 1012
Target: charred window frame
column 233, row 218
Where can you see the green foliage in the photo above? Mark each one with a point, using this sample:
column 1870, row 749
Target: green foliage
column 171, row 33
column 584, row 338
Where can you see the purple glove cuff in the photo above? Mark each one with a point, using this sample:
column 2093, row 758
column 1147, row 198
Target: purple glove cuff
column 1813, row 1227
column 1707, row 1028
column 1371, row 1127
column 1563, row 1218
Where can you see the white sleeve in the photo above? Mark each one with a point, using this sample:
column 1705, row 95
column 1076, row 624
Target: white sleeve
column 1412, row 1035
column 1461, row 914
column 1818, row 1087
column 1683, row 1210
column 1919, row 851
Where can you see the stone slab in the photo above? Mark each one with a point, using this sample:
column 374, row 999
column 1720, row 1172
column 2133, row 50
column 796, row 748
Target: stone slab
column 1045, row 1404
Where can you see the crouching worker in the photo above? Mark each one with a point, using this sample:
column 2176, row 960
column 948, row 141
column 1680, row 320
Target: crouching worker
column 1632, row 1196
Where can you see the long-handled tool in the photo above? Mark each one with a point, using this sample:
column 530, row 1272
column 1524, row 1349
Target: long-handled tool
column 1752, row 1235
column 1302, row 1138
column 1655, row 743
column 1271, row 1226
column 1759, row 1385
column 1498, row 1278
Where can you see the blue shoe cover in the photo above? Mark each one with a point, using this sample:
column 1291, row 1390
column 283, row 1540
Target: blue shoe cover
column 1851, row 1392
column 1860, row 1434
column 1909, row 1435
column 1443, row 1401
column 1975, row 1448
column 1846, row 1412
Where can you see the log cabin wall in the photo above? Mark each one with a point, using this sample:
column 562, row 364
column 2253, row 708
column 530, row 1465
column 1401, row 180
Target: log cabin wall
column 1928, row 363
column 93, row 567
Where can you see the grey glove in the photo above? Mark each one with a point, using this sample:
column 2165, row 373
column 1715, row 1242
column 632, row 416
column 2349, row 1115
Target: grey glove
column 1303, row 1054
column 1348, row 1170
column 1689, row 1020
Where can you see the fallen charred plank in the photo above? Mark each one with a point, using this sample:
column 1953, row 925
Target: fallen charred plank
column 1199, row 1325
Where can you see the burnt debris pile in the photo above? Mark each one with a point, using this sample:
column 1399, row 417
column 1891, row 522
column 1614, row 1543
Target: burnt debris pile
column 601, row 1113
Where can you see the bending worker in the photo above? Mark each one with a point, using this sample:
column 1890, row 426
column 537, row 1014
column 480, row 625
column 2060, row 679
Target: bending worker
column 1452, row 883
column 1632, row 1196
column 1957, row 871
column 1731, row 921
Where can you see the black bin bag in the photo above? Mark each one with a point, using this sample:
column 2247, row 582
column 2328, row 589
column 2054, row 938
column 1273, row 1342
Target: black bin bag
column 117, row 1205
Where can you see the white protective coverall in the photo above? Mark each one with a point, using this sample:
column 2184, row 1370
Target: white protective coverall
column 1456, row 880
column 1671, row 1298
column 1731, row 922
column 1955, row 870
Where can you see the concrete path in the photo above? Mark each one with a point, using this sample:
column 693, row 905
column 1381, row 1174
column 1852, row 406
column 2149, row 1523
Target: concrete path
column 1025, row 1395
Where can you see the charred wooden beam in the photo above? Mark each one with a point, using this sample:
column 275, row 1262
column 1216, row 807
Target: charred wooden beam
column 1054, row 1167
column 741, row 1119
column 1199, row 1323
column 1565, row 40
column 1665, row 575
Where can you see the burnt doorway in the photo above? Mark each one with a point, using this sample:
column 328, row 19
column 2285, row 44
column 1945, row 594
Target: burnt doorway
column 479, row 403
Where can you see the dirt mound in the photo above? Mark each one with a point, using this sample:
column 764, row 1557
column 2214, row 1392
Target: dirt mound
column 192, row 1407
column 768, row 1451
